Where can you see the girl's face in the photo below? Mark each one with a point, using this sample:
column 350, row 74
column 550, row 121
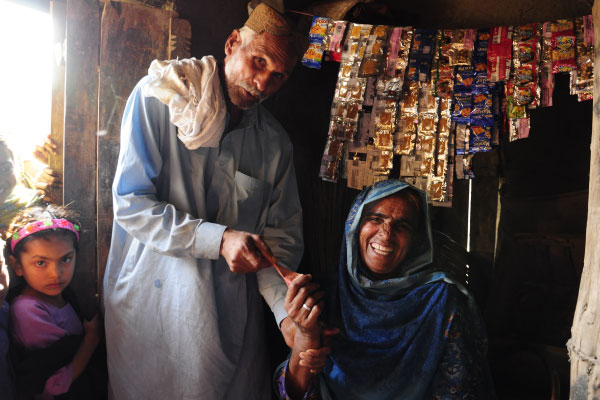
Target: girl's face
column 47, row 265
column 8, row 178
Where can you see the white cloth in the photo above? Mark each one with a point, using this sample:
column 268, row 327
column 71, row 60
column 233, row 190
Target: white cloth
column 192, row 91
column 179, row 324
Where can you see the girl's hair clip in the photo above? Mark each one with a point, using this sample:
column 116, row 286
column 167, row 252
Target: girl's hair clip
column 42, row 225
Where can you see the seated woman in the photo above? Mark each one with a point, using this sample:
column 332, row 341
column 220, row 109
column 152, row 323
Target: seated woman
column 407, row 330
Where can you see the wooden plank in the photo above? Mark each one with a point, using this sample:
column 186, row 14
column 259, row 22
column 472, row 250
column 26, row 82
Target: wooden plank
column 59, row 14
column 584, row 349
column 179, row 38
column 80, row 125
column 132, row 36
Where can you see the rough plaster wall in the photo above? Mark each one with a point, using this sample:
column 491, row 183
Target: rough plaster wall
column 212, row 22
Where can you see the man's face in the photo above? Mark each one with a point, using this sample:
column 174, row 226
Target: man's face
column 258, row 70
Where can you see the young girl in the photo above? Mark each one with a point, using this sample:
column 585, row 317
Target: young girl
column 52, row 347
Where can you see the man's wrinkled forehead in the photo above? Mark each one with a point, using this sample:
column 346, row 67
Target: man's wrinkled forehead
column 277, row 49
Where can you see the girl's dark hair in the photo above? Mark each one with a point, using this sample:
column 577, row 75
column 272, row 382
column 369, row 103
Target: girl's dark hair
column 38, row 213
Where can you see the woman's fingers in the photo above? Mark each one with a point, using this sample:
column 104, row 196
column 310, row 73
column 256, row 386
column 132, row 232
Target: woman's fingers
column 315, row 359
column 295, row 286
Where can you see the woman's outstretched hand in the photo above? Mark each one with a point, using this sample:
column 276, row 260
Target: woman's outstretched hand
column 304, row 304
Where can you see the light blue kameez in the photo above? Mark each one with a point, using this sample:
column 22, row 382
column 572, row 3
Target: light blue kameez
column 179, row 324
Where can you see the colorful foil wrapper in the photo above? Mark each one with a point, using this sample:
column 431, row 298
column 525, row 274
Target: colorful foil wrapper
column 314, row 55
column 499, row 54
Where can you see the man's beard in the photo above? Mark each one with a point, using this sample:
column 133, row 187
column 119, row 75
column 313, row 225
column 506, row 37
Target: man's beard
column 236, row 97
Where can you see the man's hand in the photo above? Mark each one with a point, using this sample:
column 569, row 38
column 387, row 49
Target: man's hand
column 241, row 251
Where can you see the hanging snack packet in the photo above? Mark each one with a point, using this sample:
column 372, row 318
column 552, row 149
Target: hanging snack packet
column 442, row 72
column 480, row 80
column 389, row 84
column 405, row 135
column 356, row 42
column 393, row 51
column 481, row 134
column 421, row 55
column 461, row 47
column 384, row 140
column 375, row 51
column 399, row 49
column 563, row 46
column 546, row 75
column 463, row 105
column 525, row 66
column 482, row 104
column 499, row 54
column 385, row 114
column 462, row 139
column 468, row 166
column 427, row 47
column 436, row 189
column 385, row 123
column 464, row 78
column 333, row 42
column 518, row 128
column 410, row 99
column 513, row 109
column 583, row 78
column 313, row 56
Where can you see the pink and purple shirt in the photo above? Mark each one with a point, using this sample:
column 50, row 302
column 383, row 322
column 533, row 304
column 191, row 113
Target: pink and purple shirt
column 36, row 325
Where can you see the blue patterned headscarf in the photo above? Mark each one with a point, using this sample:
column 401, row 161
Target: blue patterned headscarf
column 394, row 332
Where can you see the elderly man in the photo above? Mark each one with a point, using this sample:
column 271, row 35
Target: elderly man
column 205, row 182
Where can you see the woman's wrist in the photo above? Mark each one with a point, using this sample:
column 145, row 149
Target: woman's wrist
column 304, row 341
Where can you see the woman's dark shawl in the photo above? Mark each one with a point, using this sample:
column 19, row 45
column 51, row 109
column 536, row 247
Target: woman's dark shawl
column 411, row 337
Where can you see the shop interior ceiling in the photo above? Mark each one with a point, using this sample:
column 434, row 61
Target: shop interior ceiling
column 420, row 13
column 475, row 13
column 443, row 13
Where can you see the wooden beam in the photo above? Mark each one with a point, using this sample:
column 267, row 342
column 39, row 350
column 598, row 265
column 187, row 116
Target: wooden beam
column 80, row 127
column 584, row 345
column 58, row 12
column 132, row 36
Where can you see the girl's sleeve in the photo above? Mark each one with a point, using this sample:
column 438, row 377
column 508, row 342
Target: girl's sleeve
column 60, row 382
column 279, row 382
column 32, row 326
column 34, row 329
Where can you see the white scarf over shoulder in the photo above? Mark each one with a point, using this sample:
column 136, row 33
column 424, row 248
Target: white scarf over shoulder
column 192, row 91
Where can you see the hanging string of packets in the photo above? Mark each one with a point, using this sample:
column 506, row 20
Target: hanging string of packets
column 429, row 100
